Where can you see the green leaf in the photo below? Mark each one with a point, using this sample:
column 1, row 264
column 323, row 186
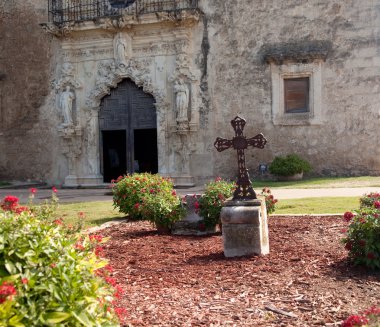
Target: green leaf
column 16, row 321
column 83, row 319
column 56, row 317
column 10, row 267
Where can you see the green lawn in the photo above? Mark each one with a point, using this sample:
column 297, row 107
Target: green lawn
column 97, row 213
column 322, row 182
column 317, row 205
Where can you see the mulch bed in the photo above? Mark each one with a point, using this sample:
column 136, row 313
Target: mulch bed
column 186, row 281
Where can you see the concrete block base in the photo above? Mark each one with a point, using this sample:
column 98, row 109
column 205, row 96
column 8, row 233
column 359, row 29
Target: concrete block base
column 245, row 228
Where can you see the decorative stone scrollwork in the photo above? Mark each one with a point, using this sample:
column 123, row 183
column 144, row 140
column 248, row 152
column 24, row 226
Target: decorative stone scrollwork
column 67, row 78
column 109, row 75
column 63, row 30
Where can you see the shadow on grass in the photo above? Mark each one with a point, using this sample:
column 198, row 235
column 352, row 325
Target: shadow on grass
column 101, row 221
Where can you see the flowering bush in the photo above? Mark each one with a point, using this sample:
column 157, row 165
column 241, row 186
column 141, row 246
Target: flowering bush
column 370, row 317
column 48, row 275
column 363, row 236
column 148, row 197
column 270, row 201
column 370, row 200
column 211, row 202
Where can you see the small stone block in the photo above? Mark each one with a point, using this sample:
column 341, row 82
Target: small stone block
column 245, row 230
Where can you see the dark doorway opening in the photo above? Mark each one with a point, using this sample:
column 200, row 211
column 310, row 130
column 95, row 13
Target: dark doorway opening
column 114, row 154
column 145, row 145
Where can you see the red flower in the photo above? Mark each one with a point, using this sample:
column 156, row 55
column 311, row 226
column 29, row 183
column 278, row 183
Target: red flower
column 58, row 222
column 54, row 189
column 79, row 246
column 136, row 206
column 371, row 255
column 174, row 193
column 98, row 251
column 24, row 281
column 20, row 209
column 53, row 265
column 81, row 214
column 9, row 203
column 33, row 190
column 96, row 238
column 353, row 321
column 377, row 204
column 218, row 179
column 348, row 216
column 151, row 191
column 6, row 289
column 348, row 246
column 196, row 205
column 110, row 280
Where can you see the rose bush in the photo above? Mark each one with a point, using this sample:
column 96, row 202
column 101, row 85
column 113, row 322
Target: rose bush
column 211, row 202
column 48, row 275
column 370, row 200
column 148, row 197
column 270, row 201
column 362, row 238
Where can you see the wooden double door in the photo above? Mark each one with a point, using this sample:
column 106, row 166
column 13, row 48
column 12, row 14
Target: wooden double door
column 128, row 132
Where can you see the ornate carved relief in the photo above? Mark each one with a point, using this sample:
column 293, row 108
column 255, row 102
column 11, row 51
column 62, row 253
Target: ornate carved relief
column 109, row 75
column 63, row 30
column 67, row 78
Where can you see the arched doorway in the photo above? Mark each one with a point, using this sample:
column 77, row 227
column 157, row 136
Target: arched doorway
column 128, row 132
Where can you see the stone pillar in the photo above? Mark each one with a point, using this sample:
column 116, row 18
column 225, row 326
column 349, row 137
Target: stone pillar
column 245, row 228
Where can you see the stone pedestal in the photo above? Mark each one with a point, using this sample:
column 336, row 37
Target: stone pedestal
column 245, row 228
column 191, row 224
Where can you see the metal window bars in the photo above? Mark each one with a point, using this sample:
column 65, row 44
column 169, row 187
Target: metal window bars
column 63, row 11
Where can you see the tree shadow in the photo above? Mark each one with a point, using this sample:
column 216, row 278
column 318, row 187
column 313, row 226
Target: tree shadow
column 104, row 220
column 211, row 258
column 344, row 269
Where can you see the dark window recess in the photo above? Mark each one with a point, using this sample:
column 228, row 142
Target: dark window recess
column 121, row 3
column 296, row 92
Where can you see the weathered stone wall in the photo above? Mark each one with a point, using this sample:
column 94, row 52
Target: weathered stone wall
column 26, row 137
column 346, row 143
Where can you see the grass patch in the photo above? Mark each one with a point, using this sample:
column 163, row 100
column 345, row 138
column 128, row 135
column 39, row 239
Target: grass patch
column 322, row 182
column 336, row 205
column 95, row 213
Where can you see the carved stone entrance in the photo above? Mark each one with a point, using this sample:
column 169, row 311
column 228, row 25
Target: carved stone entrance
column 128, row 131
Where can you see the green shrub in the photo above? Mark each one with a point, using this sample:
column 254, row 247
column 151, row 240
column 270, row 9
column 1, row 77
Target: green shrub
column 48, row 275
column 290, row 165
column 211, row 202
column 363, row 236
column 148, row 197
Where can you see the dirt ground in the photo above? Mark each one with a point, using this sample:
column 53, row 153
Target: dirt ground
column 186, row 281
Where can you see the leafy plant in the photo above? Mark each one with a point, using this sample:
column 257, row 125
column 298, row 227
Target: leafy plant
column 369, row 200
column 290, row 165
column 211, row 202
column 148, row 197
column 363, row 236
column 270, row 201
column 48, row 274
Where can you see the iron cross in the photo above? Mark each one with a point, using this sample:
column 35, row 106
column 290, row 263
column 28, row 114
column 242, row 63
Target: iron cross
column 244, row 190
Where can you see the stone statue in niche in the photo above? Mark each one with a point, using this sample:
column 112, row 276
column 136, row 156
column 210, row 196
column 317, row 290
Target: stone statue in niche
column 182, row 102
column 66, row 104
column 122, row 48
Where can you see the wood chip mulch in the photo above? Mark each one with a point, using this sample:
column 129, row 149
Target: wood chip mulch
column 306, row 279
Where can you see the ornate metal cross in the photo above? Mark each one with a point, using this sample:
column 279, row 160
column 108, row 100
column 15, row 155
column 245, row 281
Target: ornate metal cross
column 244, row 190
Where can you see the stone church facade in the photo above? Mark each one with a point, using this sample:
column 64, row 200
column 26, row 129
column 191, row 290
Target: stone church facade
column 93, row 89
